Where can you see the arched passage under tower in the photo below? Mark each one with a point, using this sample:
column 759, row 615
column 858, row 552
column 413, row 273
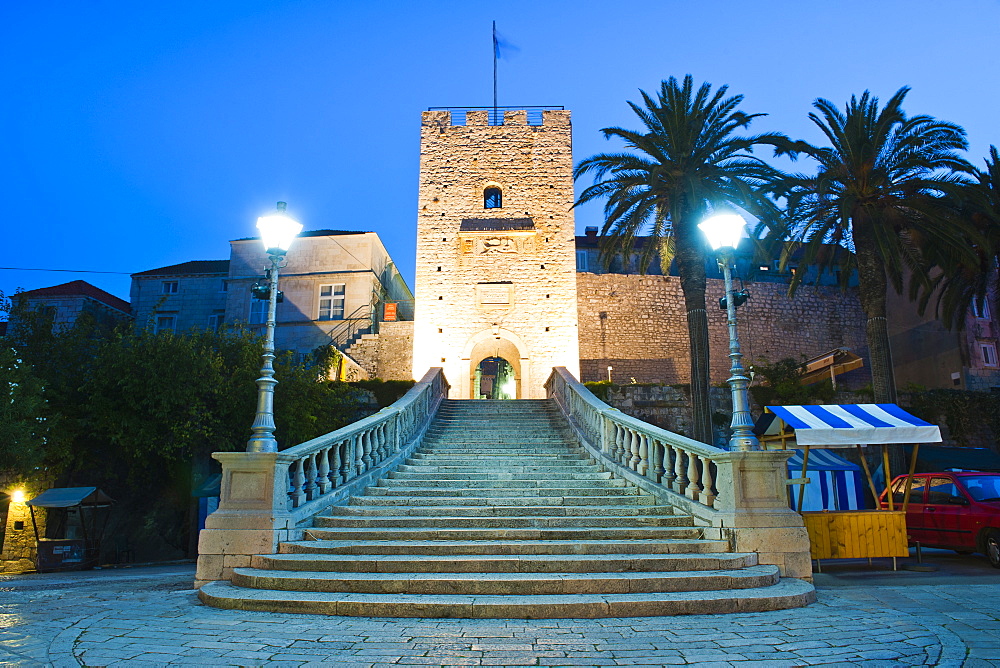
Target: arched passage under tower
column 500, row 355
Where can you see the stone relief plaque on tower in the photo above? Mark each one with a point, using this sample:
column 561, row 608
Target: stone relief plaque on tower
column 494, row 296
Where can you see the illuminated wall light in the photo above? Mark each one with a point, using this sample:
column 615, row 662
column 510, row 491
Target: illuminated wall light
column 17, row 496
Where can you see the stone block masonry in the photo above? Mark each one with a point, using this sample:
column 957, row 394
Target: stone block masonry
column 637, row 325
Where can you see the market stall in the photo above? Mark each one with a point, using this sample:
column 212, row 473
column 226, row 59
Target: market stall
column 71, row 509
column 842, row 534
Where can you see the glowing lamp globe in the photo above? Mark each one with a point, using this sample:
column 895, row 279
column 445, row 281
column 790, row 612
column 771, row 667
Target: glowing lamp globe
column 723, row 230
column 17, row 496
column 277, row 231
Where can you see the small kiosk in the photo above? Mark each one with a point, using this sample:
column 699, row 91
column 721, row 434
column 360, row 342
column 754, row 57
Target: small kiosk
column 78, row 507
column 849, row 534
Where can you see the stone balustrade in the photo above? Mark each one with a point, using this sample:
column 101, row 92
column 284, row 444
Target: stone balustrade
column 269, row 497
column 737, row 495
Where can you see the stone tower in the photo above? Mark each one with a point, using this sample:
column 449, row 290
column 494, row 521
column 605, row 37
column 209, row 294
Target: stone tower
column 496, row 272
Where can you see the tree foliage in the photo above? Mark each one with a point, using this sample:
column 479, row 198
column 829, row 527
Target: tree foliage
column 688, row 161
column 139, row 413
column 888, row 187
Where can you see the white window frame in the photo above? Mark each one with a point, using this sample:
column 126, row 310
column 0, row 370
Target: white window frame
column 582, row 261
column 171, row 287
column 165, row 322
column 332, row 301
column 215, row 321
column 980, row 310
column 258, row 311
column 988, row 354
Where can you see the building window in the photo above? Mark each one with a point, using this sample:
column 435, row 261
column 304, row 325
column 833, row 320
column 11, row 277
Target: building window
column 988, row 352
column 215, row 321
column 258, row 311
column 166, row 323
column 980, row 309
column 224, row 286
column 170, row 287
column 582, row 263
column 492, row 198
column 331, row 302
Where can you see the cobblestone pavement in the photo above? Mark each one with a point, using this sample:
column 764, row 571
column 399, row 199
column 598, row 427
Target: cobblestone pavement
column 151, row 616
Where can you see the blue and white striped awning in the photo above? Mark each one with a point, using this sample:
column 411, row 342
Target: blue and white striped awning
column 835, row 425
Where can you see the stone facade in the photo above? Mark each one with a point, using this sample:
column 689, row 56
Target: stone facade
column 355, row 262
column 495, row 278
column 19, row 547
column 181, row 296
column 924, row 353
column 68, row 301
column 636, row 325
column 387, row 355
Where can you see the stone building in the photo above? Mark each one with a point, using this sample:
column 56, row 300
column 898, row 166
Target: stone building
column 68, row 301
column 336, row 286
column 495, row 279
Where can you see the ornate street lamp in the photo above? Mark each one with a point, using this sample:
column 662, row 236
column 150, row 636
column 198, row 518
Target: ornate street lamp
column 723, row 232
column 277, row 231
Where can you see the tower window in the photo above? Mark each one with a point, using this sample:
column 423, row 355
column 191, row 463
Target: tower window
column 492, row 198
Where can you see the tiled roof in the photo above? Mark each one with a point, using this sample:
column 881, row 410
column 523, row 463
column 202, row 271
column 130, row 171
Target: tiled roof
column 194, row 267
column 78, row 289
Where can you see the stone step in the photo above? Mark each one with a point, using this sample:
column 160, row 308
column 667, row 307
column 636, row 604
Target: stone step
column 421, row 474
column 496, row 511
column 787, row 593
column 427, row 500
column 492, row 583
column 470, row 563
column 544, row 470
column 688, row 551
column 497, row 533
column 501, row 514
column 501, row 522
column 488, row 458
column 604, row 485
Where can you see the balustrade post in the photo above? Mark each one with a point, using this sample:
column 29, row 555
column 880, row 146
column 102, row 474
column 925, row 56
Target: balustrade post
column 635, row 443
column 310, row 477
column 336, row 475
column 680, row 476
column 359, row 452
column 656, row 470
column 297, row 492
column 693, row 490
column 643, row 464
column 707, row 482
column 324, row 471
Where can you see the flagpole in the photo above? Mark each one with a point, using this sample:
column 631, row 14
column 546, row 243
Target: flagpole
column 495, row 49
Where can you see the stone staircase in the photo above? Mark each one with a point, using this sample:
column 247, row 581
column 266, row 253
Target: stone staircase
column 500, row 514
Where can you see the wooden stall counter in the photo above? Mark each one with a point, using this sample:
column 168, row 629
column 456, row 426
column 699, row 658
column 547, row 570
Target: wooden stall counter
column 855, row 534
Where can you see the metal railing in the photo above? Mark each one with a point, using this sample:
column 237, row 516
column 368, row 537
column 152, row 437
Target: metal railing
column 495, row 115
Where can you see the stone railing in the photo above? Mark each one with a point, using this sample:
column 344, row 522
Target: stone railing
column 741, row 496
column 269, row 497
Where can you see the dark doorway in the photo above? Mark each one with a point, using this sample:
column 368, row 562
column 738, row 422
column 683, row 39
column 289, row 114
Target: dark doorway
column 495, row 379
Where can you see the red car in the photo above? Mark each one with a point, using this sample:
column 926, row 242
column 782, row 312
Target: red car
column 955, row 511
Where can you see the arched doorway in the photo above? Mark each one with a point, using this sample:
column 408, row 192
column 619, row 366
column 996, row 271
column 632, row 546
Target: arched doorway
column 499, row 345
column 494, row 379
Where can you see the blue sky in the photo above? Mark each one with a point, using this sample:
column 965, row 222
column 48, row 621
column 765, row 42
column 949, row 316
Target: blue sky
column 135, row 135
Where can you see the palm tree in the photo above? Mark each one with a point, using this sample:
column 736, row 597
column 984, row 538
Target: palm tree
column 686, row 162
column 958, row 284
column 886, row 188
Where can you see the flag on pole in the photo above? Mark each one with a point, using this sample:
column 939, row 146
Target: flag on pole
column 501, row 46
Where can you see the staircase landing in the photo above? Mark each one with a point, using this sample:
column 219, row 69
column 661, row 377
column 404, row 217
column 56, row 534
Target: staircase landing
column 500, row 514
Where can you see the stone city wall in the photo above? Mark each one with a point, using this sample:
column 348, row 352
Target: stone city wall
column 637, row 325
